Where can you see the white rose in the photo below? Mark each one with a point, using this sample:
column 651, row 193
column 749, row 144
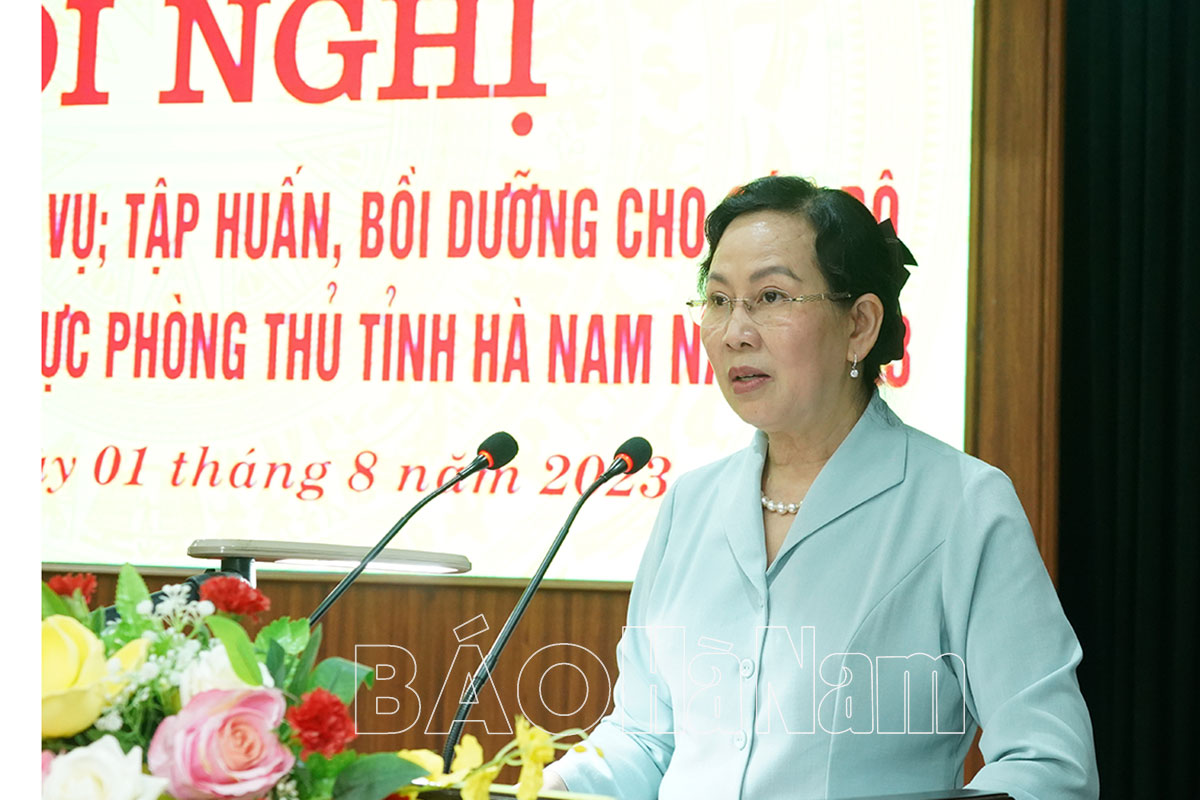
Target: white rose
column 212, row 670
column 101, row 771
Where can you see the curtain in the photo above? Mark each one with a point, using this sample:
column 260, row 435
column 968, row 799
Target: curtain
column 1130, row 436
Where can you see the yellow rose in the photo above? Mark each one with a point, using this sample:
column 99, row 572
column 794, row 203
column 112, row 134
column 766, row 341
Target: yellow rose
column 73, row 673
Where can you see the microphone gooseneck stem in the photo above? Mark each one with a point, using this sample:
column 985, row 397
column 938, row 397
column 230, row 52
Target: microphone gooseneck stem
column 489, row 661
column 470, row 469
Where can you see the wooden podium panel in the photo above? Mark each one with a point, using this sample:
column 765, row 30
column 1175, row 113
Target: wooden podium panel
column 506, row 792
column 940, row 795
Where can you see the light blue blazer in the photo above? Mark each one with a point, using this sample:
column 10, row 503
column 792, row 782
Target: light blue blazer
column 907, row 606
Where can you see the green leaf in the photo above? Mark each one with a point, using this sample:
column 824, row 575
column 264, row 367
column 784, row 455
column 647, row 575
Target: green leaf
column 95, row 621
column 323, row 767
column 342, row 677
column 277, row 663
column 237, row 645
column 299, row 682
column 316, row 775
column 126, row 630
column 78, row 606
column 376, row 776
column 309, row 787
column 291, row 634
column 131, row 590
column 52, row 603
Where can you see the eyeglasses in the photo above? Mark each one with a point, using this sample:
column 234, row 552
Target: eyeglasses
column 770, row 307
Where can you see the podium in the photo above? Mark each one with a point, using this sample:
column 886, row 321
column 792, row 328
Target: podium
column 508, row 792
column 502, row 792
column 945, row 794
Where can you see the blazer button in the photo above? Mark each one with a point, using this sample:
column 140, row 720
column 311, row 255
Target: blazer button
column 739, row 740
column 747, row 668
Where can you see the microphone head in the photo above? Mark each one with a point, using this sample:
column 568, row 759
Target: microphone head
column 635, row 453
column 498, row 449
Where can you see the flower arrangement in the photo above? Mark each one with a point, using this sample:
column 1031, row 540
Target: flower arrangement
column 174, row 700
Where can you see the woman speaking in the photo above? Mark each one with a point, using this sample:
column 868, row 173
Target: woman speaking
column 834, row 610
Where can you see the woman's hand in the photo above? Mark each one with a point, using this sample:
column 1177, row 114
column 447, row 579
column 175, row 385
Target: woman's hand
column 552, row 782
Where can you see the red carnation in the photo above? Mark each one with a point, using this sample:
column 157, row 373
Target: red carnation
column 66, row 585
column 322, row 723
column 233, row 595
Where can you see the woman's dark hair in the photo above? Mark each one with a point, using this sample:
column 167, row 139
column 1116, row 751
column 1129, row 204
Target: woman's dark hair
column 853, row 253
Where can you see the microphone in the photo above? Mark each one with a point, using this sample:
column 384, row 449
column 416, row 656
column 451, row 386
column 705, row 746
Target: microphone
column 497, row 450
column 631, row 456
column 494, row 452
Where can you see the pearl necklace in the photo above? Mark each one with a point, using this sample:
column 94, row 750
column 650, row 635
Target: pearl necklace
column 780, row 508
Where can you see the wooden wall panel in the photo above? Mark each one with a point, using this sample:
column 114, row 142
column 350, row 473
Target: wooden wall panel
column 1016, row 253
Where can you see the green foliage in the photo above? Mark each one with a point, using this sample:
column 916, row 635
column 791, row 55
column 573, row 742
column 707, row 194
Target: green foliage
column 298, row 684
column 280, row 644
column 291, row 634
column 342, row 677
column 238, row 647
column 277, row 664
column 131, row 590
column 95, row 621
column 376, row 776
column 316, row 775
column 79, row 607
column 73, row 606
column 139, row 721
column 52, row 603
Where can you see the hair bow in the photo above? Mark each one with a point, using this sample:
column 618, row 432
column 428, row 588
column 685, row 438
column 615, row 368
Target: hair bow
column 900, row 254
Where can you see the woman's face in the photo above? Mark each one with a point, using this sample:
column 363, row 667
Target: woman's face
column 790, row 376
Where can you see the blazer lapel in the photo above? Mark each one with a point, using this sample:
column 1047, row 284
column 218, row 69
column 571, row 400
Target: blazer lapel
column 869, row 461
column 739, row 493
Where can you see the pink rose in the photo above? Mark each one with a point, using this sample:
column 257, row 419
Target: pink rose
column 47, row 759
column 223, row 745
